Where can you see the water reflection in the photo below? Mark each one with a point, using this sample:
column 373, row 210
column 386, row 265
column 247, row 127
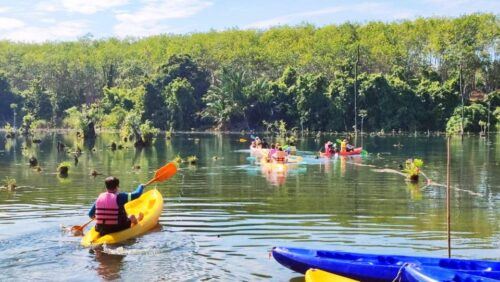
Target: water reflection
column 109, row 266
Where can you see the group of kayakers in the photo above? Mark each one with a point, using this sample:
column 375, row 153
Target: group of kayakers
column 276, row 152
column 331, row 148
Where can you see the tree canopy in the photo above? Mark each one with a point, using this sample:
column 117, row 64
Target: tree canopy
column 411, row 75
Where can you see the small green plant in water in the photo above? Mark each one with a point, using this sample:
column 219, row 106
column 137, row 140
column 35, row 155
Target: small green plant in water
column 9, row 183
column 168, row 134
column 177, row 159
column 282, row 128
column 412, row 169
column 9, row 130
column 192, row 160
column 63, row 168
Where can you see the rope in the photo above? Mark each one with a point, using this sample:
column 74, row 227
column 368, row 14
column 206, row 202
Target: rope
column 400, row 271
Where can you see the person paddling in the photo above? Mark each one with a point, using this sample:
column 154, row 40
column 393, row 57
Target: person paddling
column 280, row 156
column 109, row 208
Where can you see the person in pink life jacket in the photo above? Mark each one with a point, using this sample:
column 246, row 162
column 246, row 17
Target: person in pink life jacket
column 109, row 208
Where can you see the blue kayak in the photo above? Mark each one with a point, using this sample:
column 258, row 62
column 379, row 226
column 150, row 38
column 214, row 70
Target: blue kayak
column 415, row 273
column 372, row 267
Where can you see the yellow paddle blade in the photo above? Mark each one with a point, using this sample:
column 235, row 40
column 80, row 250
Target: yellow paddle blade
column 243, row 140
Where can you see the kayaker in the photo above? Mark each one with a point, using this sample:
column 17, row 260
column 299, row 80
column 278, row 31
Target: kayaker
column 343, row 145
column 292, row 148
column 271, row 152
column 109, row 211
column 328, row 148
column 334, row 148
column 265, row 145
column 349, row 147
column 253, row 145
column 280, row 156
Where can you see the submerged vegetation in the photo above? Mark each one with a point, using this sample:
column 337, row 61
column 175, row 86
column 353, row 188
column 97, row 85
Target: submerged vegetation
column 412, row 169
column 63, row 168
column 425, row 74
column 9, row 183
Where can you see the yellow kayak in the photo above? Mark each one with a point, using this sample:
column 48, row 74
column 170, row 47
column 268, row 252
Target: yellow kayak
column 270, row 166
column 318, row 275
column 149, row 203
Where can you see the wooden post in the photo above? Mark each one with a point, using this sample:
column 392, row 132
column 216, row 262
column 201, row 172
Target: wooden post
column 448, row 195
column 462, row 90
column 355, row 95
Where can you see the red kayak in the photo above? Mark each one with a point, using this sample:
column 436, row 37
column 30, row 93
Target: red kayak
column 356, row 151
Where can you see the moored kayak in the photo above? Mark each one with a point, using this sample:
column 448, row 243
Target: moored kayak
column 149, row 203
column 318, row 275
column 372, row 267
column 415, row 273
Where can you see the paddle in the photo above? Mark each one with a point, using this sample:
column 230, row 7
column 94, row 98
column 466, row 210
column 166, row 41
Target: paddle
column 163, row 173
column 77, row 228
column 243, row 140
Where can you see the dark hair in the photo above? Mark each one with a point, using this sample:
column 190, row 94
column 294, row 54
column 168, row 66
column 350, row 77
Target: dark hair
column 111, row 182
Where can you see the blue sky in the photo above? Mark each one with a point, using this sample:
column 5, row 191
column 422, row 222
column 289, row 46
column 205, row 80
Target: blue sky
column 36, row 21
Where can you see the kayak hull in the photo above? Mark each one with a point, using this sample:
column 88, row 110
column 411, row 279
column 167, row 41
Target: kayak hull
column 355, row 151
column 151, row 206
column 318, row 275
column 270, row 166
column 372, row 267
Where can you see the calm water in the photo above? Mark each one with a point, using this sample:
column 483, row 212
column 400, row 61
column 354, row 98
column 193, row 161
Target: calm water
column 221, row 217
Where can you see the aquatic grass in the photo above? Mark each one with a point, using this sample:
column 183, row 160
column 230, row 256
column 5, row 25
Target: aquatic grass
column 9, row 183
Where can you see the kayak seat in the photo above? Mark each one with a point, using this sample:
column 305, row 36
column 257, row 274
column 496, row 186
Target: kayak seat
column 388, row 260
column 151, row 203
column 335, row 255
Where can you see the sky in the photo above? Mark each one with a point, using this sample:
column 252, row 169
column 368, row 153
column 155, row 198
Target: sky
column 63, row 20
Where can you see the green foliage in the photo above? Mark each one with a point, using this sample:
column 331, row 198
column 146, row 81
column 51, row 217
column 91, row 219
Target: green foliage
column 473, row 114
column 9, row 183
column 192, row 160
column 408, row 77
column 9, row 130
column 225, row 100
column 148, row 131
column 7, row 98
column 412, row 167
column 26, row 126
column 37, row 100
column 180, row 104
column 84, row 119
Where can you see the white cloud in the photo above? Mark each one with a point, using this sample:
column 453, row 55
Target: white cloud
column 91, row 6
column 368, row 8
column 79, row 6
column 47, row 6
column 66, row 30
column 4, row 9
column 10, row 23
column 148, row 19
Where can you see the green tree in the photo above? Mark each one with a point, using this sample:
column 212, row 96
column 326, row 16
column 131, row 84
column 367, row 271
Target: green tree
column 181, row 104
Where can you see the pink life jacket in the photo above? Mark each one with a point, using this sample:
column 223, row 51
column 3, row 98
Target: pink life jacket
column 107, row 209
